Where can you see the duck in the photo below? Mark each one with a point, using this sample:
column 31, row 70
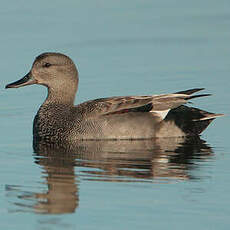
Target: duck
column 113, row 118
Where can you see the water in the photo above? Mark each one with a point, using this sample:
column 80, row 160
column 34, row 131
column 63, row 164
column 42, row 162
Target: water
column 120, row 48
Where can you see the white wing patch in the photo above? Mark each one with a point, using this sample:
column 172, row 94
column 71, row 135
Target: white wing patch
column 162, row 114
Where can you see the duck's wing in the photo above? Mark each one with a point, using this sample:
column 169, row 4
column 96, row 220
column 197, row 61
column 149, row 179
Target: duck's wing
column 105, row 106
column 159, row 104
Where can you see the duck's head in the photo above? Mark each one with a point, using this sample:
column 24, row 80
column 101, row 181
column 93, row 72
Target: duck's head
column 54, row 70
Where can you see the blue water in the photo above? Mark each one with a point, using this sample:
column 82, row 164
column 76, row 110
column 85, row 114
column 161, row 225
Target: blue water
column 120, row 48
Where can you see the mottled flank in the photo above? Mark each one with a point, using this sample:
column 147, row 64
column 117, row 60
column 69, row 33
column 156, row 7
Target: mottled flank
column 129, row 117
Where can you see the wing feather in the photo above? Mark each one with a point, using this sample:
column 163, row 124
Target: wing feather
column 160, row 104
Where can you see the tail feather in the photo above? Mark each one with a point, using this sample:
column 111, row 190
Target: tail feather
column 191, row 121
column 209, row 116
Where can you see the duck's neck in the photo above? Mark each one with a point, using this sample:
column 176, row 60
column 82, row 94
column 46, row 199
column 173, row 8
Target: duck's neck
column 61, row 96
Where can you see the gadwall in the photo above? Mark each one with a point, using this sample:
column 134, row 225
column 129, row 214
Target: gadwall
column 128, row 117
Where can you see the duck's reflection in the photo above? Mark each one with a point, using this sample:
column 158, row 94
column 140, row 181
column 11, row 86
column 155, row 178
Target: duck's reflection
column 59, row 176
column 125, row 160
column 143, row 160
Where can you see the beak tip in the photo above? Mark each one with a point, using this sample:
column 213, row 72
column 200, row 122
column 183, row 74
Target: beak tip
column 9, row 86
column 26, row 80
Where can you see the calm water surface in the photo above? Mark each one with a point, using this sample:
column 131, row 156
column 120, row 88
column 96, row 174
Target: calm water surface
column 120, row 48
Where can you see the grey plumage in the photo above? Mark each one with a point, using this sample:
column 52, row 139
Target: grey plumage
column 128, row 117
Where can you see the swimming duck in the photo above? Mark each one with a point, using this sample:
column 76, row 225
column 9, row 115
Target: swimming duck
column 120, row 117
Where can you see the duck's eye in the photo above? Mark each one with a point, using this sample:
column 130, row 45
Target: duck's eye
column 46, row 65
